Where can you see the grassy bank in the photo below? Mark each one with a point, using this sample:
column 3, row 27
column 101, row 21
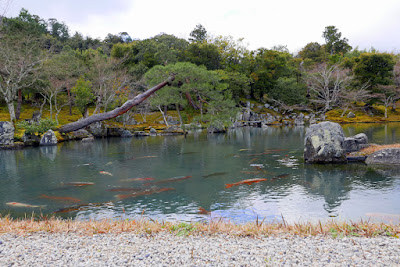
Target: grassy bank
column 215, row 226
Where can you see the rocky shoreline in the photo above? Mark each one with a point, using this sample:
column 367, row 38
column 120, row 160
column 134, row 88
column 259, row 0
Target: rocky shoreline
column 166, row 249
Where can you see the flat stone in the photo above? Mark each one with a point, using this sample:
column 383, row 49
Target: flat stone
column 389, row 156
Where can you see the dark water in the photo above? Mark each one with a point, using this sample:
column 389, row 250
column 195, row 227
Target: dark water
column 302, row 192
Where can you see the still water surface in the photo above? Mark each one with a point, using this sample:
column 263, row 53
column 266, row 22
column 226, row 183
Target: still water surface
column 306, row 193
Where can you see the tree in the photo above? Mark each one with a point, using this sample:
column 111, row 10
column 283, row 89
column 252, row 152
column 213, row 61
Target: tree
column 204, row 54
column 199, row 34
column 194, row 86
column 268, row 66
column 289, row 91
column 388, row 94
column 73, row 126
column 334, row 43
column 58, row 29
column 350, row 96
column 107, row 77
column 20, row 61
column 83, row 95
column 374, row 69
column 313, row 51
column 59, row 74
column 326, row 84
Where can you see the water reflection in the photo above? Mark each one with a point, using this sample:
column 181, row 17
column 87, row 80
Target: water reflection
column 309, row 192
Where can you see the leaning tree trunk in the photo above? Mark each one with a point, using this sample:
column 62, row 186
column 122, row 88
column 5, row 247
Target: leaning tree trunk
column 73, row 126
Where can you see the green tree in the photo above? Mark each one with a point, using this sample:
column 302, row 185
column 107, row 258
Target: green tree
column 374, row 69
column 313, row 51
column 193, row 87
column 334, row 43
column 269, row 65
column 204, row 54
column 199, row 34
column 83, row 95
column 289, row 91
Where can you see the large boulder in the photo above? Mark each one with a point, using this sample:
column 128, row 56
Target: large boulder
column 48, row 139
column 389, row 156
column 6, row 133
column 355, row 143
column 324, row 143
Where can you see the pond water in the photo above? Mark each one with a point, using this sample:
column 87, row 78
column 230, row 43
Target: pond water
column 200, row 166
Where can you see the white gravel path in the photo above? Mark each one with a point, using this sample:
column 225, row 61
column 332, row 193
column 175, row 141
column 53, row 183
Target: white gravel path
column 164, row 249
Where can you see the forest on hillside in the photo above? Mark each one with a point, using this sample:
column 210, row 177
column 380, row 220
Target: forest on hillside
column 44, row 65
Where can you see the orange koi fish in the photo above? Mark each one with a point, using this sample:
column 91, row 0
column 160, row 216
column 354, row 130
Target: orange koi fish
column 204, row 211
column 105, row 173
column 23, row 205
column 64, row 199
column 145, row 192
column 174, row 179
column 79, row 183
column 137, row 179
column 248, row 181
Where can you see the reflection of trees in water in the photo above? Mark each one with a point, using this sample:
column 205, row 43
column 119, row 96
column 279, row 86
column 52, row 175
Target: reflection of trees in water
column 381, row 133
column 335, row 182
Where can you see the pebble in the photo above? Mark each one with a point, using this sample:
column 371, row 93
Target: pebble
column 165, row 249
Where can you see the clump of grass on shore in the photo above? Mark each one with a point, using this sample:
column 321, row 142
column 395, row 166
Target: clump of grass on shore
column 148, row 226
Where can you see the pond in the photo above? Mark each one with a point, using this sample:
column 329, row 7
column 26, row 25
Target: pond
column 171, row 177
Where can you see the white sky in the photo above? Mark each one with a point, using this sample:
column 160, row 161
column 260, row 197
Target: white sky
column 265, row 23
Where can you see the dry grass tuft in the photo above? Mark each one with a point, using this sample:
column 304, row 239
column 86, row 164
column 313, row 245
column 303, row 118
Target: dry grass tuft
column 219, row 226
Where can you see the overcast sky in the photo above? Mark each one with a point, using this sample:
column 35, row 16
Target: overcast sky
column 294, row 23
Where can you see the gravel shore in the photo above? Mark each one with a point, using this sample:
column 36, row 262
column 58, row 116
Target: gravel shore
column 165, row 249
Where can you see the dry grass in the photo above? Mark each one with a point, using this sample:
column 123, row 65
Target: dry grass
column 148, row 226
column 373, row 148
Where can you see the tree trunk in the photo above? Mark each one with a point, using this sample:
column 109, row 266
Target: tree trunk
column 163, row 115
column 70, row 102
column 115, row 112
column 179, row 113
column 10, row 106
column 19, row 103
column 190, row 100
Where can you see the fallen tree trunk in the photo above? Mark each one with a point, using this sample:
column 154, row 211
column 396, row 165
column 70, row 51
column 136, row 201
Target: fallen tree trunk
column 73, row 126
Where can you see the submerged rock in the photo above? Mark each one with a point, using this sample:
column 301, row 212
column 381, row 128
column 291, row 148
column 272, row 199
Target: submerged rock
column 48, row 139
column 6, row 133
column 324, row 143
column 389, row 156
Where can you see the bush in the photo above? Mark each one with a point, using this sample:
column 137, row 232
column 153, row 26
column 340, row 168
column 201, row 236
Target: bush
column 40, row 128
